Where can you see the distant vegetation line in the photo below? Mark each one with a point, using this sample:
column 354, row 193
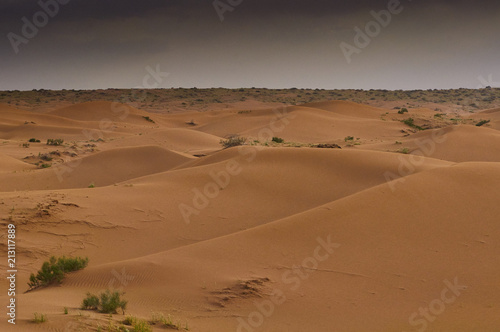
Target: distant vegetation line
column 198, row 99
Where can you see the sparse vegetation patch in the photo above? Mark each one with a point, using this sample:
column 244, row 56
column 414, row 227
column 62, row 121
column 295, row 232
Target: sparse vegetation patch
column 328, row 146
column 482, row 122
column 411, row 123
column 55, row 269
column 107, row 302
column 39, row 318
column 232, row 141
column 55, row 141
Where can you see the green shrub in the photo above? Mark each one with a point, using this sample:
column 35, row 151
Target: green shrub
column 482, row 122
column 147, row 118
column 327, row 146
column 278, row 140
column 72, row 264
column 167, row 322
column 54, row 270
column 403, row 111
column 232, row 141
column 45, row 156
column 411, row 123
column 26, row 145
column 91, row 302
column 39, row 318
column 110, row 302
column 107, row 302
column 56, row 141
column 404, row 151
column 130, row 320
column 140, row 325
column 349, row 138
column 34, row 140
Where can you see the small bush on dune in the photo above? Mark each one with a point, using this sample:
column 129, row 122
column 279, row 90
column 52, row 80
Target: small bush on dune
column 110, row 302
column 55, row 141
column 130, row 320
column 167, row 322
column 39, row 318
column 139, row 325
column 403, row 111
column 142, row 326
column 411, row 123
column 34, row 140
column 482, row 122
column 45, row 157
column 327, row 146
column 54, row 270
column 72, row 264
column 91, row 302
column 107, row 302
column 278, row 140
column 232, row 141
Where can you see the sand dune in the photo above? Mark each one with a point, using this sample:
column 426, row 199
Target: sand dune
column 77, row 122
column 46, row 132
column 457, row 143
column 9, row 164
column 493, row 115
column 99, row 110
column 12, row 116
column 218, row 240
column 392, row 258
column 347, row 108
column 181, row 140
column 306, row 124
column 224, row 124
column 318, row 126
column 101, row 169
column 151, row 204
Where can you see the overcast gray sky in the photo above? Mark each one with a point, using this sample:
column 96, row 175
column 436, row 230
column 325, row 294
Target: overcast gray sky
column 91, row 44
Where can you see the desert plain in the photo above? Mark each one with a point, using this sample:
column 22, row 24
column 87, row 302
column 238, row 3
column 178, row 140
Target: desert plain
column 254, row 210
